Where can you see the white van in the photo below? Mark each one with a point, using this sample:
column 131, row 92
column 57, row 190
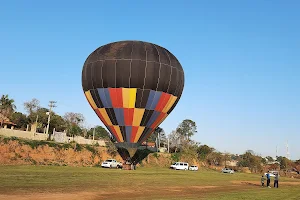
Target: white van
column 180, row 165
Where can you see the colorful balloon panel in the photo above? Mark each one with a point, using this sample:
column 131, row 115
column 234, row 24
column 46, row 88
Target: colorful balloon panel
column 116, row 109
column 132, row 86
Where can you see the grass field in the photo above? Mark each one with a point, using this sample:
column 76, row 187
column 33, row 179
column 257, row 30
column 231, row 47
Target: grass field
column 54, row 182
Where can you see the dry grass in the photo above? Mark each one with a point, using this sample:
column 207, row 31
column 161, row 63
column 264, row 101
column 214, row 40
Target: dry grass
column 50, row 182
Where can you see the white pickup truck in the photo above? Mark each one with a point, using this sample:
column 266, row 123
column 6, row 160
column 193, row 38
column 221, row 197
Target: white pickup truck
column 111, row 163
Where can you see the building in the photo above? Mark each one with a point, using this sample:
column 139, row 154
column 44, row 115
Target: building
column 5, row 122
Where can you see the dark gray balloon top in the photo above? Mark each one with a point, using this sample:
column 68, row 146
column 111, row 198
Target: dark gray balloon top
column 133, row 64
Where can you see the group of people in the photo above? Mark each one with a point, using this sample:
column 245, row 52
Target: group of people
column 276, row 178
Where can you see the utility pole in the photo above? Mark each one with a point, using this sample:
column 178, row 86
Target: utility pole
column 51, row 105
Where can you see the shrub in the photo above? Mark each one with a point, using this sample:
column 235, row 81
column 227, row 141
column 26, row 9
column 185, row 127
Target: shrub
column 13, row 138
column 77, row 147
column 91, row 149
column 175, row 157
column 155, row 155
column 67, row 146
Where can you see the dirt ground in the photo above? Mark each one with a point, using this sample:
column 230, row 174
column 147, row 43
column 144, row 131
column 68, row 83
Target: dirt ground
column 178, row 192
column 255, row 183
column 124, row 193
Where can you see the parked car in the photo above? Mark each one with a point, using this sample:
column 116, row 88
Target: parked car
column 180, row 166
column 111, row 163
column 193, row 168
column 227, row 170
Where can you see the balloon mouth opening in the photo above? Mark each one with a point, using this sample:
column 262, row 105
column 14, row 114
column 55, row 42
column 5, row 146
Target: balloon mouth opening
column 133, row 153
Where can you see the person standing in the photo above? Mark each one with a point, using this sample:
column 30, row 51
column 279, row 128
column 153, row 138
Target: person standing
column 276, row 180
column 262, row 181
column 268, row 180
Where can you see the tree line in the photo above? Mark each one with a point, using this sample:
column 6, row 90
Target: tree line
column 178, row 142
column 71, row 122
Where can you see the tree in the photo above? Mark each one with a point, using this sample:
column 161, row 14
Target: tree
column 74, row 130
column 203, row 151
column 32, row 106
column 7, row 106
column 284, row 162
column 19, row 119
column 264, row 161
column 215, row 158
column 270, row 159
column 175, row 142
column 253, row 162
column 187, row 128
column 163, row 138
column 158, row 133
column 58, row 123
column 250, row 152
column 74, row 118
column 42, row 120
column 74, row 123
column 100, row 133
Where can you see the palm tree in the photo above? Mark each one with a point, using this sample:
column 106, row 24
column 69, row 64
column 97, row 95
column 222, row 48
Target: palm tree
column 7, row 106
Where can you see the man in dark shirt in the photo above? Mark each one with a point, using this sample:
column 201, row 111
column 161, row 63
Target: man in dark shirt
column 268, row 180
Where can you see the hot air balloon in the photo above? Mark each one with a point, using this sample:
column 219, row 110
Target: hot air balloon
column 132, row 86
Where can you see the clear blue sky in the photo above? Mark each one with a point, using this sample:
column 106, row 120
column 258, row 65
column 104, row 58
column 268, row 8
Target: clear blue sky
column 241, row 61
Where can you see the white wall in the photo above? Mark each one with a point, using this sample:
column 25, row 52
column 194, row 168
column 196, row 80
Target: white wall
column 22, row 134
column 57, row 136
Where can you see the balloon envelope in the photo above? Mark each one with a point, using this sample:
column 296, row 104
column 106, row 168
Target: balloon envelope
column 132, row 86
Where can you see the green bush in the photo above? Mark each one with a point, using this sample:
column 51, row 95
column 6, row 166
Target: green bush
column 67, row 146
column 5, row 140
column 175, row 157
column 77, row 147
column 14, row 138
column 155, row 155
column 91, row 149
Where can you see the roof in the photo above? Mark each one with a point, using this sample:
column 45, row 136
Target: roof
column 7, row 123
column 5, row 120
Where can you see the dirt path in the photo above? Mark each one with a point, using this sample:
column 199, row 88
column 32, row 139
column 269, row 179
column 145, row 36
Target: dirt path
column 138, row 193
column 257, row 183
column 179, row 192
